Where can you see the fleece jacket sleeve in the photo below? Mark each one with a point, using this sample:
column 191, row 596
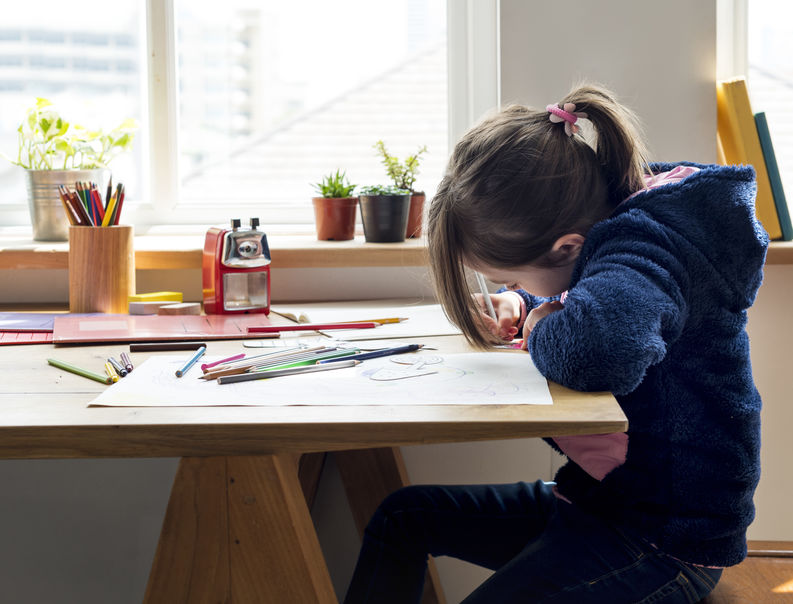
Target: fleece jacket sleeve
column 626, row 307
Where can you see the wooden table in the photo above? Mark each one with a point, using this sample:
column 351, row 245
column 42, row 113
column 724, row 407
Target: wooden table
column 238, row 528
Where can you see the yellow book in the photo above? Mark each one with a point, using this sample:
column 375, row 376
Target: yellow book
column 157, row 297
column 740, row 144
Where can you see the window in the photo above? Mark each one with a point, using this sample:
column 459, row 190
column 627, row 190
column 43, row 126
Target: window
column 52, row 58
column 249, row 102
column 770, row 76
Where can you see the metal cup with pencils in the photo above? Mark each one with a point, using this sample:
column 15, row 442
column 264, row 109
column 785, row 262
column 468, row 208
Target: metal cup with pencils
column 101, row 251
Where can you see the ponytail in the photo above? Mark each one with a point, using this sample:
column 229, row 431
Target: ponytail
column 618, row 147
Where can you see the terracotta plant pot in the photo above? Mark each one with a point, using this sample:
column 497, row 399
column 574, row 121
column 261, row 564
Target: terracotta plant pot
column 416, row 215
column 384, row 217
column 335, row 217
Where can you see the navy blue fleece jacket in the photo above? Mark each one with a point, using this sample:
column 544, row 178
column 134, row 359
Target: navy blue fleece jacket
column 656, row 314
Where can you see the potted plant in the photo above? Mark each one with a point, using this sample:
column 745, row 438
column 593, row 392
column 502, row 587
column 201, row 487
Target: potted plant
column 334, row 209
column 403, row 175
column 54, row 152
column 384, row 213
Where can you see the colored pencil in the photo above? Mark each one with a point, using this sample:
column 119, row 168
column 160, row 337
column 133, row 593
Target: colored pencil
column 311, row 327
column 97, row 201
column 374, row 354
column 236, row 357
column 198, row 354
column 120, row 369
column 78, row 207
column 380, row 321
column 70, row 215
column 155, row 346
column 77, row 371
column 85, row 205
column 308, row 356
column 111, row 208
column 120, row 194
column 262, row 375
column 127, row 362
column 111, row 372
column 486, row 295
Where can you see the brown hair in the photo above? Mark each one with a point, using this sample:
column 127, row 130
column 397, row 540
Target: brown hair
column 516, row 182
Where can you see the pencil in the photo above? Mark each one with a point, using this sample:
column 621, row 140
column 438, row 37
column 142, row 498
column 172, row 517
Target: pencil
column 191, row 362
column 271, row 360
column 111, row 207
column 155, row 346
column 111, row 372
column 486, row 295
column 311, row 327
column 374, row 354
column 72, row 217
column 120, row 369
column 120, row 194
column 380, row 321
column 127, row 362
column 236, row 357
column 78, row 206
column 82, row 372
column 261, row 375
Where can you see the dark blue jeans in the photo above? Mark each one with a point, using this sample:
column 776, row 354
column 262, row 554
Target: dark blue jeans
column 541, row 548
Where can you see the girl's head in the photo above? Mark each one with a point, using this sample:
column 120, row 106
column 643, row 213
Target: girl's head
column 519, row 196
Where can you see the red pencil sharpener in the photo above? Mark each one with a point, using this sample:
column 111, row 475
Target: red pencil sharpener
column 236, row 270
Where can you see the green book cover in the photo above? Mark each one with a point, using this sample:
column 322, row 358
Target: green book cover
column 773, row 175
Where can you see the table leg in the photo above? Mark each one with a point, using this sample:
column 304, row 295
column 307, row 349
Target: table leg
column 368, row 476
column 237, row 530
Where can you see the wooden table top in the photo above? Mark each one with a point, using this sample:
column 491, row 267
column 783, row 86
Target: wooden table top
column 44, row 414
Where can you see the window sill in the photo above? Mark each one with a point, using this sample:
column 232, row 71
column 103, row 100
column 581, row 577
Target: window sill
column 174, row 249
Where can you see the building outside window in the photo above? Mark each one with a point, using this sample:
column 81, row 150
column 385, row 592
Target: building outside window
column 267, row 97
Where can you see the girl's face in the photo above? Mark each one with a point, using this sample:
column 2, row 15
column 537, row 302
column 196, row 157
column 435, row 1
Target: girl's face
column 540, row 280
column 536, row 280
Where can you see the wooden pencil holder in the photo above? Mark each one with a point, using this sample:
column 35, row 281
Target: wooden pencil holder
column 101, row 268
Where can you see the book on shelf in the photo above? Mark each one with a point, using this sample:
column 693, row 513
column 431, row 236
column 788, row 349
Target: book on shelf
column 782, row 211
column 740, row 143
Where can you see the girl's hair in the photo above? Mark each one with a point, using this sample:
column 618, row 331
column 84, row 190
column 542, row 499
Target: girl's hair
column 516, row 182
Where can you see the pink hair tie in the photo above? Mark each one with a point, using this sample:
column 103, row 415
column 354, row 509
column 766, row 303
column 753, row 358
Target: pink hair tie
column 566, row 114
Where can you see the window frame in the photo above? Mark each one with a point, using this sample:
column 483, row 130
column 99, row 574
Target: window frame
column 473, row 74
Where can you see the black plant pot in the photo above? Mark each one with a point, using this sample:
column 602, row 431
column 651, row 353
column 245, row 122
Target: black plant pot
column 384, row 217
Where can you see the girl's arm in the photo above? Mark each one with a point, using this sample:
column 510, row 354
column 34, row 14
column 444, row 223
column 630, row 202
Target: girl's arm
column 617, row 320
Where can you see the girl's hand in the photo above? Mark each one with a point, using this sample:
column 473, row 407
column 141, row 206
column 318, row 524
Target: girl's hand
column 543, row 310
column 507, row 307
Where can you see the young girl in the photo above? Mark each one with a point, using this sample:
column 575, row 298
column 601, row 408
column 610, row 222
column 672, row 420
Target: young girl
column 621, row 276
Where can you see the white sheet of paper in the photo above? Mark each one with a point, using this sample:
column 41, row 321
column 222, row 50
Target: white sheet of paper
column 478, row 378
column 422, row 320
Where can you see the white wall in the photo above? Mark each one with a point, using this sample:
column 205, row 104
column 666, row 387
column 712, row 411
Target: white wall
column 660, row 59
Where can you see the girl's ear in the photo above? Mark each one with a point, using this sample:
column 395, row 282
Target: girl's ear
column 567, row 247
